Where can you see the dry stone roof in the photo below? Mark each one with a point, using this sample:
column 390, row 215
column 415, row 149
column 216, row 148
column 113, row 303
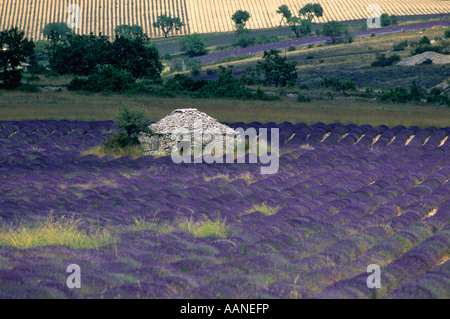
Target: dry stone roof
column 161, row 142
column 420, row 58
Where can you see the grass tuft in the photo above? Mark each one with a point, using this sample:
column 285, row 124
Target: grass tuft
column 263, row 208
column 63, row 231
column 205, row 228
column 141, row 224
column 133, row 151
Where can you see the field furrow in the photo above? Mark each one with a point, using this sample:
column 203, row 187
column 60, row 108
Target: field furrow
column 199, row 15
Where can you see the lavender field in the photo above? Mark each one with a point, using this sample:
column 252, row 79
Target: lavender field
column 213, row 57
column 345, row 197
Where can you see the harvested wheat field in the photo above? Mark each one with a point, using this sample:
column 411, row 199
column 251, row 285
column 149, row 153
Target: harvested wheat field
column 202, row 16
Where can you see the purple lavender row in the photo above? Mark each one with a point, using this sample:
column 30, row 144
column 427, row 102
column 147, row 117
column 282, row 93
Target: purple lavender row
column 211, row 58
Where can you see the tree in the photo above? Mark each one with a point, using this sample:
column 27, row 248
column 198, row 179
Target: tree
column 387, row 20
column 334, row 29
column 276, row 70
column 311, row 10
column 245, row 37
column 285, row 12
column 300, row 27
column 136, row 55
column 167, row 23
column 83, row 54
column 193, row 44
column 14, row 50
column 132, row 122
column 80, row 54
column 128, row 31
column 56, row 31
column 240, row 18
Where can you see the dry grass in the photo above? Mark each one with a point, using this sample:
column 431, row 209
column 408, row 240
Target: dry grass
column 205, row 228
column 264, row 209
column 63, row 231
column 247, row 176
column 100, row 151
column 73, row 106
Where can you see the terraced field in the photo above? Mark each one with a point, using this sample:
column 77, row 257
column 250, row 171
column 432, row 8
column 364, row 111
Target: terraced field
column 202, row 16
column 344, row 197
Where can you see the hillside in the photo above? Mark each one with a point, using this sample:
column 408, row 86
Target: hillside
column 202, row 16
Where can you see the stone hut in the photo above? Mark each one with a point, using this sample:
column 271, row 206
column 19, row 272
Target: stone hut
column 161, row 142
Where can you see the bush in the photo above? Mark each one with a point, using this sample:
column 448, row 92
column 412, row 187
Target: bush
column 193, row 44
column 348, row 38
column 119, row 140
column 400, row 46
column 426, row 48
column 425, row 40
column 27, row 87
column 396, row 95
column 195, row 66
column 83, row 54
column 11, row 79
column 447, row 34
column 416, row 93
column 387, row 20
column 338, row 84
column 303, row 98
column 435, row 96
column 383, row 61
column 303, row 86
column 106, row 79
column 246, row 39
column 130, row 122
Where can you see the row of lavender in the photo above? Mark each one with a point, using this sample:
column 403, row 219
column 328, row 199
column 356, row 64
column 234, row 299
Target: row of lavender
column 211, row 58
column 357, row 195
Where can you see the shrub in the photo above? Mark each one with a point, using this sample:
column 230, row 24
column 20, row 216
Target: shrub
column 246, row 39
column 303, row 98
column 416, row 93
column 195, row 66
column 383, row 61
column 425, row 40
column 106, row 79
column 167, row 56
column 447, row 34
column 28, row 87
column 435, row 96
column 426, row 48
column 387, row 20
column 193, row 44
column 338, row 84
column 303, row 86
column 131, row 121
column 400, row 46
column 276, row 70
column 396, row 95
column 348, row 38
column 11, row 79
